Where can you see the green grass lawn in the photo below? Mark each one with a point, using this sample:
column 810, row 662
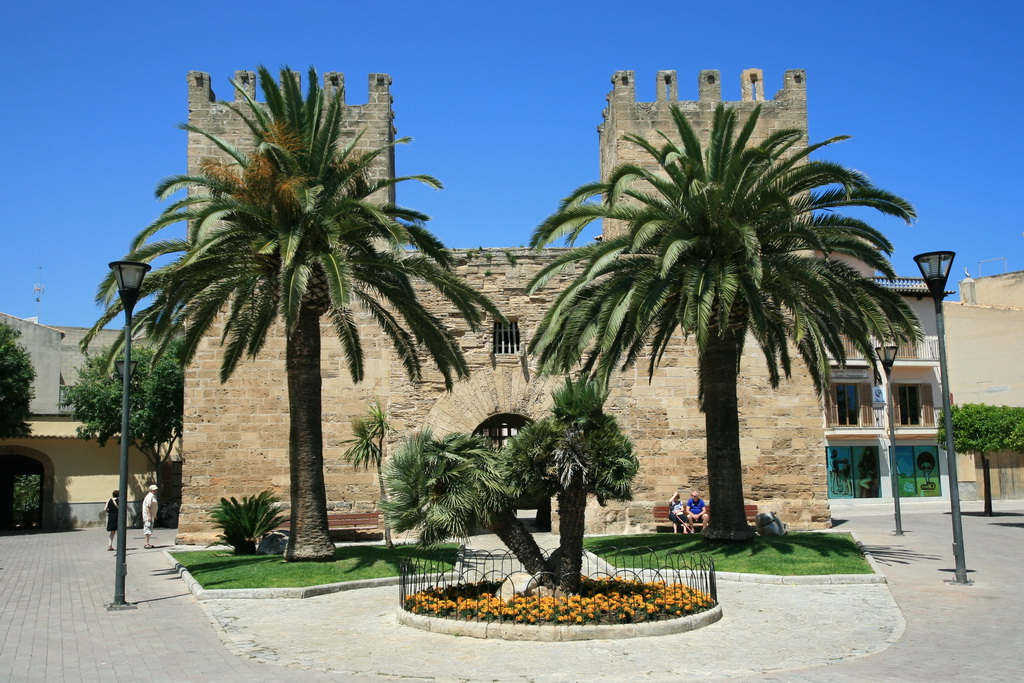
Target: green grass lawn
column 794, row 554
column 221, row 569
column 790, row 555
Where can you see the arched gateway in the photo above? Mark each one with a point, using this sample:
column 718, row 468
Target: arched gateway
column 23, row 492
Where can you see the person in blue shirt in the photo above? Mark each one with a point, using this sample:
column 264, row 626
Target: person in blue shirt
column 697, row 510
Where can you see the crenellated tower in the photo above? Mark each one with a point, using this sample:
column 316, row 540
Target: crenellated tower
column 373, row 120
column 624, row 114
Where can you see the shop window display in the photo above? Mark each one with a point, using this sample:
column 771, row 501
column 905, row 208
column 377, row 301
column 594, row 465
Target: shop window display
column 853, row 472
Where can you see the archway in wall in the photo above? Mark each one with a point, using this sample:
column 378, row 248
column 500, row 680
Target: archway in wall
column 498, row 429
column 22, row 486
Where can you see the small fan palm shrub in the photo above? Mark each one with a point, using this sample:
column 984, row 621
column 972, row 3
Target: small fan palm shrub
column 244, row 523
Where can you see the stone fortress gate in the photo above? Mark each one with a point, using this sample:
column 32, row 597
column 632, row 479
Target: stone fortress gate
column 236, row 433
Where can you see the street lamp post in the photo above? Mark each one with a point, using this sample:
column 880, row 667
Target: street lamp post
column 887, row 354
column 935, row 267
column 129, row 276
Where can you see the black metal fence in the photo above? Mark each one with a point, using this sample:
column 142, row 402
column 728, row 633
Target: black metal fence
column 628, row 585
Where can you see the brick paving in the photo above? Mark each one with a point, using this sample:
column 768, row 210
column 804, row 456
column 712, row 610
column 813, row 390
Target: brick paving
column 55, row 626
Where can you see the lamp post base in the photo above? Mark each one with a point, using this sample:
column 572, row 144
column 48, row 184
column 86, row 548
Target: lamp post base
column 117, row 608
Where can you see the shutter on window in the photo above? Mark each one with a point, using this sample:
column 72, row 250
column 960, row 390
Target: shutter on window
column 866, row 400
column 927, row 406
column 831, row 417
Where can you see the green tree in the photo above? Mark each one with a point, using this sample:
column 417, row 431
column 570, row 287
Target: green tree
column 298, row 231
column 16, row 393
column 447, row 487
column 722, row 242
column 157, row 402
column 983, row 429
column 367, row 450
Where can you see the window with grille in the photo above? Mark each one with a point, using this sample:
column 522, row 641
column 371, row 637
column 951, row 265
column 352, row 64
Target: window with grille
column 506, row 338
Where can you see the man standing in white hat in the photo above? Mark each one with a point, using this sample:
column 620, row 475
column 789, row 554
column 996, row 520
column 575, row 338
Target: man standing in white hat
column 149, row 508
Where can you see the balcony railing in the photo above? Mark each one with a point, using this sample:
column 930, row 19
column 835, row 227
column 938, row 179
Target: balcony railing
column 926, row 349
column 867, row 416
column 875, row 417
column 928, row 418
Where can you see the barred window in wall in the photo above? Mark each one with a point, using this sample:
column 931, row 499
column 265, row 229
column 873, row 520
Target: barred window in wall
column 506, row 338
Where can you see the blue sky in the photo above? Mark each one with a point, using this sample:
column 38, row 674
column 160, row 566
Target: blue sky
column 502, row 100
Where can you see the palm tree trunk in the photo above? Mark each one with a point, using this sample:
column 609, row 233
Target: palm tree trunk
column 517, row 539
column 384, row 498
column 309, row 540
column 572, row 510
column 719, row 370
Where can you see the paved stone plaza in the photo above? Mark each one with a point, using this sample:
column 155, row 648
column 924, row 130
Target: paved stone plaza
column 54, row 588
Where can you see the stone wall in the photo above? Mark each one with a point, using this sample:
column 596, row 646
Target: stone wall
column 625, row 115
column 371, row 122
column 236, row 432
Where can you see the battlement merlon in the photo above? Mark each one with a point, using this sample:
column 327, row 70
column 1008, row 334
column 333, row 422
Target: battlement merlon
column 668, row 87
column 380, row 89
column 334, row 85
column 247, row 81
column 201, row 94
column 709, row 86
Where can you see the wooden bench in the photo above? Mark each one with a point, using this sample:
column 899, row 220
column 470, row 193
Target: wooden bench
column 339, row 522
column 662, row 523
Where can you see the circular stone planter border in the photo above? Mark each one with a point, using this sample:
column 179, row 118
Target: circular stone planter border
column 558, row 632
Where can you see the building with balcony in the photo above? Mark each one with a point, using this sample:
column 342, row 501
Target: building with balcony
column 857, row 416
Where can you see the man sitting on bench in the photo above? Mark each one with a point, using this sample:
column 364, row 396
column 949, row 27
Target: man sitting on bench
column 696, row 510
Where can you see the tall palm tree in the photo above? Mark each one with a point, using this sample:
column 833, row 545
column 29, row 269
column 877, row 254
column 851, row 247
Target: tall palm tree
column 723, row 241
column 369, row 433
column 295, row 231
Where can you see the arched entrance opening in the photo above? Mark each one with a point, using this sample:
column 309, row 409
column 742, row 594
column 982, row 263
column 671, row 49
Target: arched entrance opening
column 498, row 429
column 21, row 493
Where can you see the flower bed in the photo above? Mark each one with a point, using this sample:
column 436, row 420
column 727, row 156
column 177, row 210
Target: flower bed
column 601, row 601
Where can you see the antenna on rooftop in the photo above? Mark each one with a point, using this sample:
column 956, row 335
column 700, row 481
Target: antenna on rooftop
column 39, row 289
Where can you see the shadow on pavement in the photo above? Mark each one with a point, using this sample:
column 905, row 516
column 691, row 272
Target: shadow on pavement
column 887, row 554
column 994, row 514
column 166, row 597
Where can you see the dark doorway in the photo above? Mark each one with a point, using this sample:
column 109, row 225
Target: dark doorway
column 21, row 493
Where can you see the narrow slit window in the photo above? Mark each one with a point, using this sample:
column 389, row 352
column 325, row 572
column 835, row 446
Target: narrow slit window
column 506, row 338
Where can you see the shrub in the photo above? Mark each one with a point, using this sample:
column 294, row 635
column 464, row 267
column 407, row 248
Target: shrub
column 244, row 523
